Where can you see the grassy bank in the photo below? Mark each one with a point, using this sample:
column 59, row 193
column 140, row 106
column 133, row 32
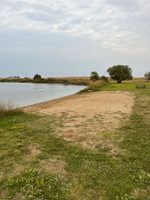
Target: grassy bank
column 37, row 164
column 125, row 86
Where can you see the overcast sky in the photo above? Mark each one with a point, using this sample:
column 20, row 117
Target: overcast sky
column 73, row 37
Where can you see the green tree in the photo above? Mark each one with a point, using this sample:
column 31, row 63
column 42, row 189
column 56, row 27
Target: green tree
column 120, row 73
column 37, row 76
column 94, row 76
column 147, row 76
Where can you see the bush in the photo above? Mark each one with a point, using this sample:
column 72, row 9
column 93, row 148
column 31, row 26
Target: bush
column 96, row 85
column 83, row 91
column 38, row 80
column 103, row 78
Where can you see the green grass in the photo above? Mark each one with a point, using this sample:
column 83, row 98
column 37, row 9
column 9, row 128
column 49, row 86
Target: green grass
column 89, row 175
column 124, row 86
column 35, row 184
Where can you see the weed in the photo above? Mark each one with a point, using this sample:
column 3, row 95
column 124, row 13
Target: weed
column 34, row 184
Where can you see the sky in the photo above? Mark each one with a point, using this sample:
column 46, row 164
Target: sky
column 57, row 38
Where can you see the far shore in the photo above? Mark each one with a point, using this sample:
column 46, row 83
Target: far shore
column 83, row 80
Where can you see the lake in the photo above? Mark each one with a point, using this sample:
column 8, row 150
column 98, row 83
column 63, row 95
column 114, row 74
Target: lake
column 24, row 94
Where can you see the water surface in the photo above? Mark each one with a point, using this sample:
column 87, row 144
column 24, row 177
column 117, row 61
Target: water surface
column 24, row 94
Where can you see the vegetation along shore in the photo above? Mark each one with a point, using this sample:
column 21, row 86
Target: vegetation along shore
column 59, row 80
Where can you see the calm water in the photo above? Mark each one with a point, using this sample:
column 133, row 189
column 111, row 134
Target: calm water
column 23, row 94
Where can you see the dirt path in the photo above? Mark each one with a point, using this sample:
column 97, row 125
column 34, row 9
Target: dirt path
column 86, row 116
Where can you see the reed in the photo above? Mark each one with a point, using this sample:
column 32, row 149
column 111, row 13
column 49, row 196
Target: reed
column 95, row 85
column 66, row 81
column 6, row 108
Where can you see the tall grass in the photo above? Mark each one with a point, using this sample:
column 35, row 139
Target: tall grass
column 6, row 108
column 95, row 85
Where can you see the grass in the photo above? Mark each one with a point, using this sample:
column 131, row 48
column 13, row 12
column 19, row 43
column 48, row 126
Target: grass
column 95, row 85
column 26, row 140
column 125, row 86
column 35, row 184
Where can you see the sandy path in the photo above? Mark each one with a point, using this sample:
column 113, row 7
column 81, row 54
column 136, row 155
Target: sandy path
column 88, row 115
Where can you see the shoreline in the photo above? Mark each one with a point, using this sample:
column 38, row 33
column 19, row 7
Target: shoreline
column 91, row 102
column 46, row 104
column 20, row 97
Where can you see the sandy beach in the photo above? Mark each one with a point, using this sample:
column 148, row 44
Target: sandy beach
column 88, row 103
column 86, row 117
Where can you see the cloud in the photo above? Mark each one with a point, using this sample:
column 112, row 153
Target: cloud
column 127, row 5
column 73, row 26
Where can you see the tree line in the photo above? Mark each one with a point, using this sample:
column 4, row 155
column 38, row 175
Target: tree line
column 117, row 72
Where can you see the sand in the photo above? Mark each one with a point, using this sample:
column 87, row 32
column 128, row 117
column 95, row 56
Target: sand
column 85, row 117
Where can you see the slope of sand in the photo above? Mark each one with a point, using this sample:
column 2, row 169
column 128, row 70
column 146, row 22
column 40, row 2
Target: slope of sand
column 86, row 116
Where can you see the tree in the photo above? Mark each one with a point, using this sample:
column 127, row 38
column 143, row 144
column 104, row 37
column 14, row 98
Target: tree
column 120, row 73
column 37, row 76
column 147, row 76
column 94, row 76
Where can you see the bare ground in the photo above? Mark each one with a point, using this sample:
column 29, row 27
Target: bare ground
column 88, row 118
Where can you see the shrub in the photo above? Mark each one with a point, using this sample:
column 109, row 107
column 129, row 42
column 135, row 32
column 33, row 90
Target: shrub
column 83, row 91
column 103, row 78
column 38, row 80
column 96, row 85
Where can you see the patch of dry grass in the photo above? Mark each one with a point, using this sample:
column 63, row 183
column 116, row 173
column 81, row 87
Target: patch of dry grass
column 6, row 107
column 95, row 85
column 53, row 165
